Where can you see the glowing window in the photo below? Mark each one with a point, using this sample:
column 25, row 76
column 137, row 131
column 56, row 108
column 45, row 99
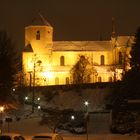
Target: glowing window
column 38, row 35
column 102, row 60
column 62, row 61
column 120, row 58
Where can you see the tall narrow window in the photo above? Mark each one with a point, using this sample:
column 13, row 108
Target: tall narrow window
column 38, row 35
column 67, row 80
column 110, row 79
column 62, row 61
column 99, row 79
column 120, row 58
column 56, row 81
column 102, row 60
column 88, row 79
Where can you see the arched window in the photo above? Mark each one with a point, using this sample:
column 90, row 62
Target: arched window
column 99, row 79
column 67, row 80
column 120, row 58
column 56, row 81
column 88, row 79
column 62, row 61
column 110, row 79
column 102, row 60
column 38, row 35
column 39, row 62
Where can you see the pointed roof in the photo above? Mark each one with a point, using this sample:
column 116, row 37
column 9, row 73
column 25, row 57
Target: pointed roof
column 113, row 33
column 40, row 20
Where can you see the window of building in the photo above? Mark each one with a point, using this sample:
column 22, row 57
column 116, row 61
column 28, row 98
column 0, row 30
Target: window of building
column 39, row 62
column 56, row 81
column 67, row 80
column 88, row 79
column 38, row 35
column 62, row 61
column 102, row 60
column 99, row 79
column 120, row 58
column 110, row 79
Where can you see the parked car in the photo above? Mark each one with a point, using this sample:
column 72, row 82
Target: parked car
column 11, row 136
column 47, row 136
column 78, row 129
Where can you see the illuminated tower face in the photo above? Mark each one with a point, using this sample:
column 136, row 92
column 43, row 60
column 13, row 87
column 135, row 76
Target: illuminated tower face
column 39, row 37
column 37, row 53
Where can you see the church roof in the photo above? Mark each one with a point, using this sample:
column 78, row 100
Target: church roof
column 82, row 45
column 40, row 20
column 124, row 40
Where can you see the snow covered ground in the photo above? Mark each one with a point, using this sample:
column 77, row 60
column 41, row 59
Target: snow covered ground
column 28, row 125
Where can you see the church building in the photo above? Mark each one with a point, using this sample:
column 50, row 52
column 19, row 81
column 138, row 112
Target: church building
column 49, row 62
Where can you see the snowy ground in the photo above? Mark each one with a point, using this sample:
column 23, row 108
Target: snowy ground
column 30, row 126
column 98, row 124
column 98, row 128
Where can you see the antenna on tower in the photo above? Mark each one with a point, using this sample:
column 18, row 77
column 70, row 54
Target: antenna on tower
column 113, row 34
column 44, row 20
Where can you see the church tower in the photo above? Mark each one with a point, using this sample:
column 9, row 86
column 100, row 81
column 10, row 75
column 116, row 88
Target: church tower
column 39, row 35
column 37, row 53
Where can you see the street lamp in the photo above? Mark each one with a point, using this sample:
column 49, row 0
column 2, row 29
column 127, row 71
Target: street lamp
column 1, row 111
column 26, row 98
column 86, row 103
column 14, row 89
column 39, row 107
column 72, row 117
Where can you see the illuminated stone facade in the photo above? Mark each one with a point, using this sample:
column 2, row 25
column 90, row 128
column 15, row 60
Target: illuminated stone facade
column 48, row 62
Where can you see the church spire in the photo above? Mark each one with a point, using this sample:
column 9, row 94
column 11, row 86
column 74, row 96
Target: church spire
column 113, row 34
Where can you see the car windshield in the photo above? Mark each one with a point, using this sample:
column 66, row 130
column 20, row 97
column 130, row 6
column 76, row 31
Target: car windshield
column 5, row 138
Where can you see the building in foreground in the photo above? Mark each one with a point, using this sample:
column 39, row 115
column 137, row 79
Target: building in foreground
column 48, row 62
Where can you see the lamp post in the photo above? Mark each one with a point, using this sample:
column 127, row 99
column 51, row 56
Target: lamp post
column 33, row 93
column 30, row 82
column 1, row 111
column 86, row 103
column 34, row 79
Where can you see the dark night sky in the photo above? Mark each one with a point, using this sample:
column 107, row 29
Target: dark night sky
column 71, row 19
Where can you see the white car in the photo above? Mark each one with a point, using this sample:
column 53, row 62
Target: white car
column 47, row 136
column 11, row 136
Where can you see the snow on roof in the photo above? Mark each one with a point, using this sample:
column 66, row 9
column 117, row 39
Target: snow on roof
column 82, row 45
